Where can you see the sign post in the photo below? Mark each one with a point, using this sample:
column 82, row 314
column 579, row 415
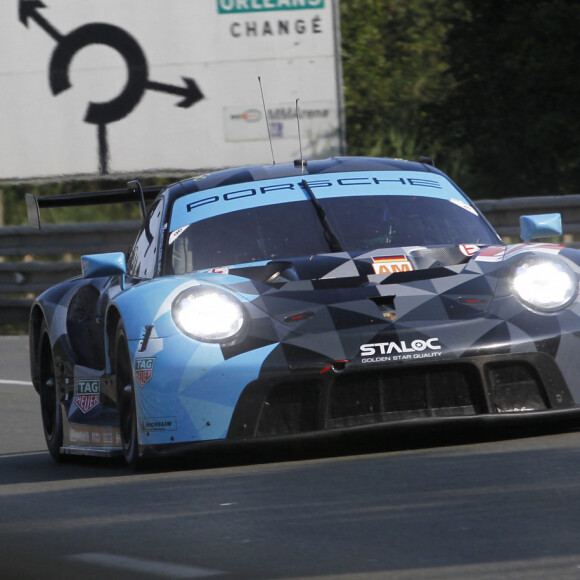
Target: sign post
column 171, row 86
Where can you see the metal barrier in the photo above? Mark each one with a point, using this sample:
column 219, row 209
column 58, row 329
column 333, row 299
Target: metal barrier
column 33, row 260
column 504, row 214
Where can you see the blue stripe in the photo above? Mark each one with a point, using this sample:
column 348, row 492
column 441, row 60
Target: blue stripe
column 226, row 199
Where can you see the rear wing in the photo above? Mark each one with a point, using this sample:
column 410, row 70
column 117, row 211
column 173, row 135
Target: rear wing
column 135, row 192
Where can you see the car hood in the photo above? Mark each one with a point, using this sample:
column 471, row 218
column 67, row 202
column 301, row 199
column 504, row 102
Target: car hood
column 335, row 303
column 403, row 284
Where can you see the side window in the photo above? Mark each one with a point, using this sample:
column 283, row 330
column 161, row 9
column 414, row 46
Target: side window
column 144, row 255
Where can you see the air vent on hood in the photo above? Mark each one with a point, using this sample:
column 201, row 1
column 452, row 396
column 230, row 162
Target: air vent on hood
column 384, row 301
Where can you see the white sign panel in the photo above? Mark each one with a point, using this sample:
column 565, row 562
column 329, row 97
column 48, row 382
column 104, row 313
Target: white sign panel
column 107, row 86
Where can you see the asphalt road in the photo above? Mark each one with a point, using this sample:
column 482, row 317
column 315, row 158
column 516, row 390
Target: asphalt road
column 478, row 510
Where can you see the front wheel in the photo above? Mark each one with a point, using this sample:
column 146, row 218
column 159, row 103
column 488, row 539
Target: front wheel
column 49, row 400
column 126, row 399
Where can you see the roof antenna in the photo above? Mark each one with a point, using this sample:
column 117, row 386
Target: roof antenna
column 299, row 162
column 267, row 122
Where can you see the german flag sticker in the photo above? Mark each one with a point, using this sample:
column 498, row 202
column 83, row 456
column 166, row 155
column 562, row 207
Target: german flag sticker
column 391, row 264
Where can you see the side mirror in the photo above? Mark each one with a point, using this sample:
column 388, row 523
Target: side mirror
column 96, row 265
column 540, row 226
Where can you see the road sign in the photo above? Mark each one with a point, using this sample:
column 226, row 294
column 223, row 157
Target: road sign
column 107, row 86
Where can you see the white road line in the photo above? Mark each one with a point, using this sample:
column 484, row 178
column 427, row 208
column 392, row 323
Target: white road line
column 164, row 569
column 24, row 383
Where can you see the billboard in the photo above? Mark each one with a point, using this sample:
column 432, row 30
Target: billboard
column 110, row 86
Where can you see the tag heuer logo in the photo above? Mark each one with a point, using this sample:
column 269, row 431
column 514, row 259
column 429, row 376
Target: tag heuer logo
column 144, row 370
column 87, row 394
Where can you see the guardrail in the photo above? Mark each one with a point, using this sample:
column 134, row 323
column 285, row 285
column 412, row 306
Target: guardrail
column 504, row 214
column 33, row 260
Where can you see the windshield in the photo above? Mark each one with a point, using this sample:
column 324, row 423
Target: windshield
column 360, row 222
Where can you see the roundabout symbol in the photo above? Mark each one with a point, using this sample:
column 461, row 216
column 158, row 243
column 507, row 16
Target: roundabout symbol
column 116, row 38
column 138, row 82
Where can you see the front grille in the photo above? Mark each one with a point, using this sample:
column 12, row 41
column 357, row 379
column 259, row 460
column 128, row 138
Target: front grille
column 358, row 397
column 514, row 388
column 289, row 409
column 406, row 394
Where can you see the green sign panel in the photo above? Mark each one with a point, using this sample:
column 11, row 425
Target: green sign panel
column 240, row 6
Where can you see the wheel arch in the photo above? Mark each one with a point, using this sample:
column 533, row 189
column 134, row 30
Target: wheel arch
column 35, row 323
column 112, row 320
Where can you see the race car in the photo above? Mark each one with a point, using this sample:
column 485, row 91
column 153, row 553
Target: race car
column 303, row 299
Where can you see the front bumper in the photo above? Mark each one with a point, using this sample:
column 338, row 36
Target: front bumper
column 360, row 396
column 373, row 438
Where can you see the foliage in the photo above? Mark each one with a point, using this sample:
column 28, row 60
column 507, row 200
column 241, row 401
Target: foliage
column 15, row 208
column 513, row 112
column 488, row 88
column 394, row 64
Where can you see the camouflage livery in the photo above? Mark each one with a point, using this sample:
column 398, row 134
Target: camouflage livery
column 329, row 340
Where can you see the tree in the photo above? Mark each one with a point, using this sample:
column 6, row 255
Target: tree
column 513, row 113
column 394, row 60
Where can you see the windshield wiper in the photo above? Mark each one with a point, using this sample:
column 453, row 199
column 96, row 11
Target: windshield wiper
column 329, row 235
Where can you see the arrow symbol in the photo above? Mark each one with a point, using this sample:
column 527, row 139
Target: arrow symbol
column 29, row 9
column 190, row 91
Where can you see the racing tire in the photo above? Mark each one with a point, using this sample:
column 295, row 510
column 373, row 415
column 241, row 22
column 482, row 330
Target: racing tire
column 50, row 406
column 126, row 400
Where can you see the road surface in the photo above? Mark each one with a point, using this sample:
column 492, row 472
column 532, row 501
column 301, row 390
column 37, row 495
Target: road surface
column 478, row 510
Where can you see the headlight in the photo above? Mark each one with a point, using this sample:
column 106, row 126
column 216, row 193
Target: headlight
column 544, row 284
column 208, row 314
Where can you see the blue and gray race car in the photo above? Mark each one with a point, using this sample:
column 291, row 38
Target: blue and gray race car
column 302, row 299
